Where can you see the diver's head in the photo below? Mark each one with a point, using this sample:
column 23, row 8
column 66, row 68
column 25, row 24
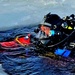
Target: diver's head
column 48, row 26
column 50, row 21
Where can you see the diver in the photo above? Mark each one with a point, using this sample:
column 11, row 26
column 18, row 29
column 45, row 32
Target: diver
column 49, row 29
column 55, row 32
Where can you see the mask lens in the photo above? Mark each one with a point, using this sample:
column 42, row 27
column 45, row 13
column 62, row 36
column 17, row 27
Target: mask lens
column 45, row 29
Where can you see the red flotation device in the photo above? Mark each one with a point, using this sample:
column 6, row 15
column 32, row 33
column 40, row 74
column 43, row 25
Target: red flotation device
column 18, row 41
column 9, row 44
column 23, row 40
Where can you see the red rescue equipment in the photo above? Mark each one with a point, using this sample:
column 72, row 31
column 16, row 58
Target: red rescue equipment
column 9, row 44
column 19, row 41
column 23, row 40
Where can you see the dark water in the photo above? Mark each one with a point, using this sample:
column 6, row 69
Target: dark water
column 33, row 64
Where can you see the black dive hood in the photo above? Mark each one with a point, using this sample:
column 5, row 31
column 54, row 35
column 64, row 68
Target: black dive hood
column 51, row 19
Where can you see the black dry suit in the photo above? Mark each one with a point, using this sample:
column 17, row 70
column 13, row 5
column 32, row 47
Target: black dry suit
column 62, row 33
